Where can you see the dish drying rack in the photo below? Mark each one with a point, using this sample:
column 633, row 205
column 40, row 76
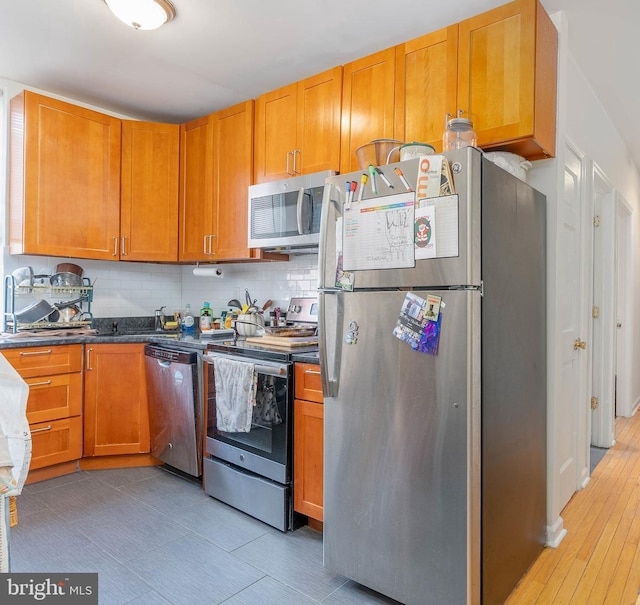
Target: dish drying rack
column 12, row 290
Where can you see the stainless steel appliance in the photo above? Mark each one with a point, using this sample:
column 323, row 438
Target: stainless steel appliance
column 435, row 464
column 285, row 215
column 251, row 471
column 175, row 407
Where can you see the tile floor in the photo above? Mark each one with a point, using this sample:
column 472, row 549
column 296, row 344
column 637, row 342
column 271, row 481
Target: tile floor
column 156, row 539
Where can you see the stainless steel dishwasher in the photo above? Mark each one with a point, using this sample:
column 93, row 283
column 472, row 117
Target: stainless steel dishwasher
column 175, row 406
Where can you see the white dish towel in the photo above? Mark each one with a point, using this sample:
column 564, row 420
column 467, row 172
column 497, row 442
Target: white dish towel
column 235, row 394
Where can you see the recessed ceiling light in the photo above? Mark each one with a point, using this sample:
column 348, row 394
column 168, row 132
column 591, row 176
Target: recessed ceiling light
column 142, row 14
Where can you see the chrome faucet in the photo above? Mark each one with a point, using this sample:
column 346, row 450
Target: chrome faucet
column 159, row 325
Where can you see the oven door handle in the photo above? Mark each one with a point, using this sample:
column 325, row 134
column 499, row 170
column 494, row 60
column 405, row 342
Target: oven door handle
column 275, row 370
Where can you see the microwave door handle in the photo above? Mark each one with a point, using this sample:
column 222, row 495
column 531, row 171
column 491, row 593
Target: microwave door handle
column 299, row 209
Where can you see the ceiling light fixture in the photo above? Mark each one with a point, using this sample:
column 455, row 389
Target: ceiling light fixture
column 142, row 14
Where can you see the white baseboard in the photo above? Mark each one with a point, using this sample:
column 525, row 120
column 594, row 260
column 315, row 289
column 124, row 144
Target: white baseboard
column 556, row 533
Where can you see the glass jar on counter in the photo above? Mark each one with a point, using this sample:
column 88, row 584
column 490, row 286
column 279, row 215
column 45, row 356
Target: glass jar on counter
column 459, row 133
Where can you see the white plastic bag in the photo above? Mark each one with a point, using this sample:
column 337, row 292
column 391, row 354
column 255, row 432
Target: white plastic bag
column 15, row 436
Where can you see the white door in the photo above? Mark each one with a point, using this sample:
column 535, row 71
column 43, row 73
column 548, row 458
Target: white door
column 603, row 312
column 569, row 412
column 624, row 306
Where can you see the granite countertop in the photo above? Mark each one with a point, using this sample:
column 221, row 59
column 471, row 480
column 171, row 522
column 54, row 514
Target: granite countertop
column 106, row 330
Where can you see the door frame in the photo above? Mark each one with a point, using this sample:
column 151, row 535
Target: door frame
column 603, row 308
column 624, row 405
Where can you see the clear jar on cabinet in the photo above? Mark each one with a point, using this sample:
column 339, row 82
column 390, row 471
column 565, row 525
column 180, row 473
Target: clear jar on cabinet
column 459, row 133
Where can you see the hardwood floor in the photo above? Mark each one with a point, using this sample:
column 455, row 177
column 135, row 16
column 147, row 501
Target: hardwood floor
column 598, row 562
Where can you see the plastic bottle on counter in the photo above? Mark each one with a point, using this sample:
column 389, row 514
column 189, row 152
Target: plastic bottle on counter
column 188, row 322
column 206, row 317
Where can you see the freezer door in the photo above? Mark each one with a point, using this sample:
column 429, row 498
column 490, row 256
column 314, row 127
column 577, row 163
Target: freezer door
column 462, row 269
column 401, row 506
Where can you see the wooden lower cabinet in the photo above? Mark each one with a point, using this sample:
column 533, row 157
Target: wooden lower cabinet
column 308, row 442
column 55, row 442
column 116, row 417
column 54, row 406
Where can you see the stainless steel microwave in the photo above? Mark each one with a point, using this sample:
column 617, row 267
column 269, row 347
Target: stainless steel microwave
column 285, row 215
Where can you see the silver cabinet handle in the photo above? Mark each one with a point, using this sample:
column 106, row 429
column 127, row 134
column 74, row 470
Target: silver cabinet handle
column 44, row 428
column 115, row 246
column 294, row 161
column 89, row 359
column 38, row 384
column 314, row 372
column 295, row 165
column 122, row 247
column 29, row 353
column 204, row 244
column 211, row 252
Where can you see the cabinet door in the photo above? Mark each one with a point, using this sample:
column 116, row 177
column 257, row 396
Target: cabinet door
column 308, row 382
column 232, row 173
column 116, row 418
column 367, row 104
column 318, row 128
column 507, row 77
column 55, row 442
column 308, row 453
column 149, row 191
column 275, row 134
column 426, row 83
column 54, row 397
column 196, row 189
column 65, row 179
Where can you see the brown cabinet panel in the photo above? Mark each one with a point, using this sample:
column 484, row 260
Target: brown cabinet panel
column 367, row 104
column 308, row 454
column 317, row 145
column 232, row 174
column 308, row 382
column 55, row 442
column 507, row 78
column 426, row 86
column 275, row 133
column 196, row 188
column 53, row 397
column 116, row 417
column 65, row 179
column 298, row 128
column 44, row 361
column 149, row 191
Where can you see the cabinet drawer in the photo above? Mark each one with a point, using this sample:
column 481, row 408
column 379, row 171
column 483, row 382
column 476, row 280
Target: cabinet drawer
column 44, row 361
column 308, row 384
column 56, row 441
column 54, row 397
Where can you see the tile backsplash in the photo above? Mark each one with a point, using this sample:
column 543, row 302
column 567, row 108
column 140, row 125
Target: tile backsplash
column 123, row 289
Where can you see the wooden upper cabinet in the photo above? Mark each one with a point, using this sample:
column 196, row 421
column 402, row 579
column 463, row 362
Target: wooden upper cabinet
column 232, row 174
column 507, row 76
column 426, row 86
column 275, row 134
column 149, row 191
column 367, row 104
column 318, row 125
column 64, row 179
column 298, row 128
column 196, row 189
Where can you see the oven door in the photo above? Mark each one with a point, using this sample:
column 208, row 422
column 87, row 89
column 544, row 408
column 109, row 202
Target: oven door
column 265, row 449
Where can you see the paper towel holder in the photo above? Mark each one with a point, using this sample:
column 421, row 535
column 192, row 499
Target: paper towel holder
column 199, row 271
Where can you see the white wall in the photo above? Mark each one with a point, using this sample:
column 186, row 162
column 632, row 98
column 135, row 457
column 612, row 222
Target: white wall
column 582, row 121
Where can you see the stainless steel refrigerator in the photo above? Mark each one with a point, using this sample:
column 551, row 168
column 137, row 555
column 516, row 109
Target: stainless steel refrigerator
column 435, row 458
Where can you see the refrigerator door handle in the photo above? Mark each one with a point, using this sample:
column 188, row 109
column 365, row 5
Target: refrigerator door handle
column 331, row 343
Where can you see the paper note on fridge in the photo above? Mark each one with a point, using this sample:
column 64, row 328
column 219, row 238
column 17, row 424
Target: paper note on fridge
column 444, row 226
column 379, row 234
